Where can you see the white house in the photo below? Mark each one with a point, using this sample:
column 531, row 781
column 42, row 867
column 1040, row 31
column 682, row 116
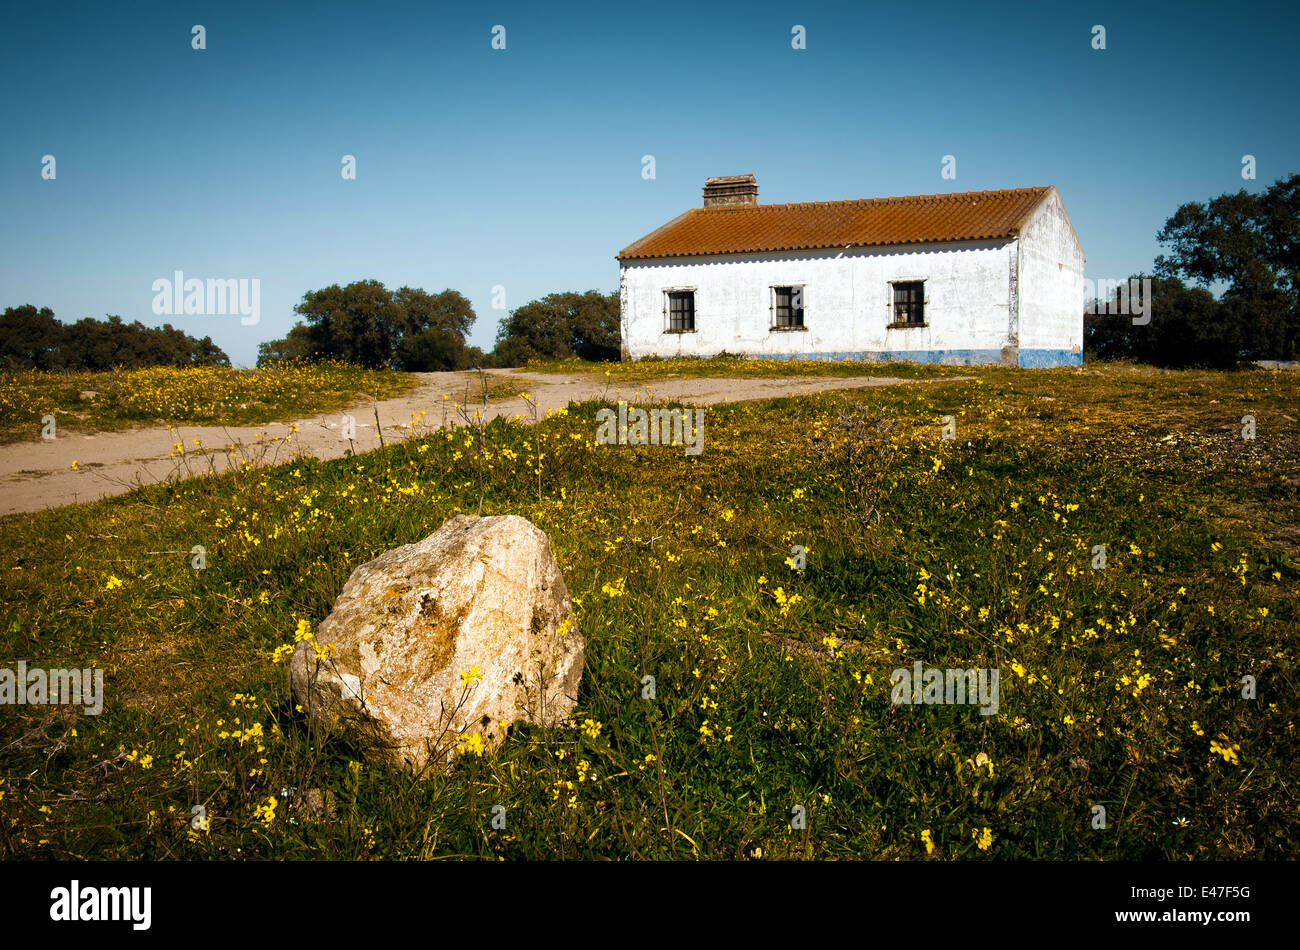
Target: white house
column 975, row 277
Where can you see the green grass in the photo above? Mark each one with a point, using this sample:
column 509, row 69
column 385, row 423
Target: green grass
column 123, row 399
column 959, row 553
column 653, row 368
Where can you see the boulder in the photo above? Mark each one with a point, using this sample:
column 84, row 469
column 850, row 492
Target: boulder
column 386, row 665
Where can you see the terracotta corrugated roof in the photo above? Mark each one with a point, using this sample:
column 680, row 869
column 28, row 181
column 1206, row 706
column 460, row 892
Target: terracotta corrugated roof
column 741, row 229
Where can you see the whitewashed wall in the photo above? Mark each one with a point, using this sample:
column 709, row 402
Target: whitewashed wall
column 848, row 303
column 1051, row 287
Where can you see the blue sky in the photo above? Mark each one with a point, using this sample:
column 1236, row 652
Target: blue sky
column 522, row 167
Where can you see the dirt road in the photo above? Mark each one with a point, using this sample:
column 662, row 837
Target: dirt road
column 38, row 475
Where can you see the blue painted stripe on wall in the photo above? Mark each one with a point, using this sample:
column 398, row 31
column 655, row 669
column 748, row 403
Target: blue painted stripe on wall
column 1029, row 359
column 1043, row 359
column 960, row 357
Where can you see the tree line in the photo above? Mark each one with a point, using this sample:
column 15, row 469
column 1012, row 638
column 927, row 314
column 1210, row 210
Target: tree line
column 412, row 330
column 34, row 339
column 363, row 323
column 1249, row 244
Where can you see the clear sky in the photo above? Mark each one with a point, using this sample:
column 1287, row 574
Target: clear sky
column 522, row 167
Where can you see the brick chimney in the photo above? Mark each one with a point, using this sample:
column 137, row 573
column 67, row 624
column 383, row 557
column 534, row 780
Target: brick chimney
column 730, row 190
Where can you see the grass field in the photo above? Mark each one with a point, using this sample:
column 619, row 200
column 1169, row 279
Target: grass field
column 1121, row 687
column 168, row 396
column 653, row 368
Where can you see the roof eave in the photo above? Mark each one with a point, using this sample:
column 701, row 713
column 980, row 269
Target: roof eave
column 624, row 256
column 1029, row 212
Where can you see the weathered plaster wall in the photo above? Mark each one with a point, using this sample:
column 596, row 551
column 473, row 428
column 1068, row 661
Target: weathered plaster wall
column 848, row 303
column 1050, row 286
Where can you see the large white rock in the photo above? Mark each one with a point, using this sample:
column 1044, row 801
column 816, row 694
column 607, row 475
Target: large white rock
column 478, row 592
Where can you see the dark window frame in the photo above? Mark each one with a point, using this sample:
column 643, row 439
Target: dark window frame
column 786, row 316
column 680, row 310
column 907, row 303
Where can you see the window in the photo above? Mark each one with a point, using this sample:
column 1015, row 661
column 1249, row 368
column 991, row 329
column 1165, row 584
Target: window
column 787, row 308
column 681, row 311
column 909, row 303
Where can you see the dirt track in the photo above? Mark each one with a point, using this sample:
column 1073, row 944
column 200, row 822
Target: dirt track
column 37, row 475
